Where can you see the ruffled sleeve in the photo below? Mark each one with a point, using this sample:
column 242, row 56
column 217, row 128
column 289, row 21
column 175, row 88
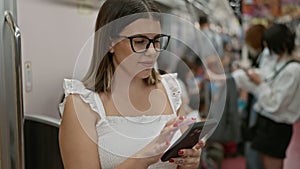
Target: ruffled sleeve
column 173, row 89
column 72, row 86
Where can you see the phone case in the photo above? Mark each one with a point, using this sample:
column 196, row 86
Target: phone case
column 187, row 140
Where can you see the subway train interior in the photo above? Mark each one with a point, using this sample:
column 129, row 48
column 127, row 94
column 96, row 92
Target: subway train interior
column 43, row 42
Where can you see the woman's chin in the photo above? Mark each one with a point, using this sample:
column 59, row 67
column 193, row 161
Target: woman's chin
column 144, row 74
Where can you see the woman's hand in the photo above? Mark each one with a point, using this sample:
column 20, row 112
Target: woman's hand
column 189, row 158
column 154, row 150
column 254, row 76
column 212, row 76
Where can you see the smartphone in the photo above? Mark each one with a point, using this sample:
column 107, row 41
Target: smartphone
column 188, row 139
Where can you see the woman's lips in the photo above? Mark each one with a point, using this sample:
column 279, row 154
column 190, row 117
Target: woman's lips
column 147, row 64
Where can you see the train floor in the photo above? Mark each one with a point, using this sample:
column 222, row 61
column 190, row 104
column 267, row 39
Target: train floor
column 234, row 163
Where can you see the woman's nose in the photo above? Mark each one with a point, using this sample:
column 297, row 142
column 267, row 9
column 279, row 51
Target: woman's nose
column 151, row 51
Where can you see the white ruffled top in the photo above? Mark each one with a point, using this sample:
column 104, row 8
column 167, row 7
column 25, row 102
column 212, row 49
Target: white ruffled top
column 120, row 137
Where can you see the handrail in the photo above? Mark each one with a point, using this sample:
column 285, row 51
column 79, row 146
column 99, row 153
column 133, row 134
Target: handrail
column 16, row 33
column 43, row 119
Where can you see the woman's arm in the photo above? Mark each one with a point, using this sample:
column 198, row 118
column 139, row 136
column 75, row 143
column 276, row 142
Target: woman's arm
column 77, row 133
column 273, row 97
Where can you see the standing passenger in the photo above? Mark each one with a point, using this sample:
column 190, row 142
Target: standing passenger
column 257, row 52
column 277, row 98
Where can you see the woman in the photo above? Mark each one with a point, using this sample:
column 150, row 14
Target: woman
column 118, row 116
column 277, row 98
column 258, row 54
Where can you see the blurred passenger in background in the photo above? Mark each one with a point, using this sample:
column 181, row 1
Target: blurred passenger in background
column 277, row 98
column 213, row 36
column 267, row 54
column 255, row 46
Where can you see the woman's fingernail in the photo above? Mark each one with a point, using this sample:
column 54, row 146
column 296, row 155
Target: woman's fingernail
column 175, row 125
column 201, row 143
column 181, row 117
column 171, row 161
column 180, row 152
column 193, row 118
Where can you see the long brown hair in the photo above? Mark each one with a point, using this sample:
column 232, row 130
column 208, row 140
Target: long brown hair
column 101, row 70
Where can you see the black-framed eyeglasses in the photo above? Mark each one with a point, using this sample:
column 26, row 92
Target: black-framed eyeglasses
column 141, row 43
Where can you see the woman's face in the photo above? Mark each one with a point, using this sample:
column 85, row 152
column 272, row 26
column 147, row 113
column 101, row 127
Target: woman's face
column 136, row 64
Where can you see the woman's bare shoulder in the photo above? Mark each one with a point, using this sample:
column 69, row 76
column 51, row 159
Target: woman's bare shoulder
column 77, row 109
